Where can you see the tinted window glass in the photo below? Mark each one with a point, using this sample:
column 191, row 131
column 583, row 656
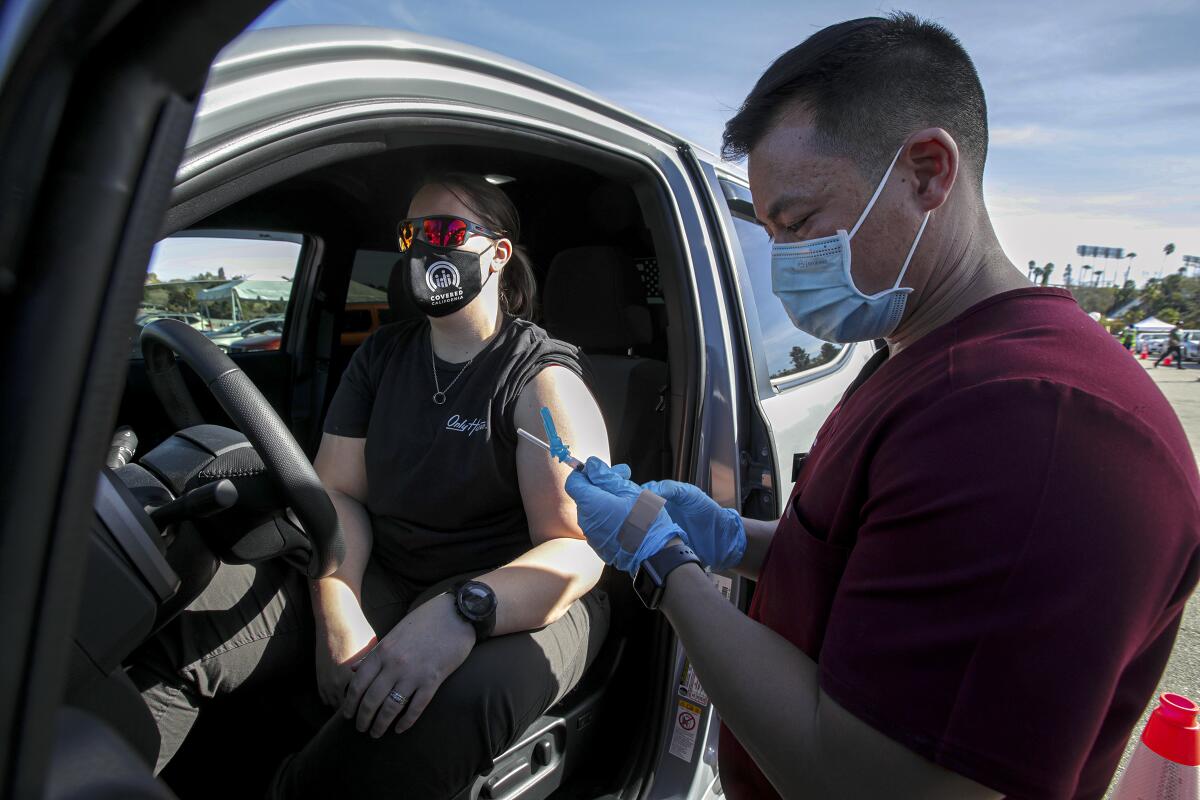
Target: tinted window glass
column 788, row 351
column 228, row 287
column 366, row 297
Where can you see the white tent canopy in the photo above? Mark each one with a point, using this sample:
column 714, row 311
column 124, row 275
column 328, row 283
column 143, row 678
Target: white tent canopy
column 1153, row 325
column 247, row 290
column 242, row 289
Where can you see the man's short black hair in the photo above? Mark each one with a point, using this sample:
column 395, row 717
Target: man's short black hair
column 869, row 83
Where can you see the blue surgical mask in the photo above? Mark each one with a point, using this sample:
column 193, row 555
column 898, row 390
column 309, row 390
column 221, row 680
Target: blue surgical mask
column 812, row 279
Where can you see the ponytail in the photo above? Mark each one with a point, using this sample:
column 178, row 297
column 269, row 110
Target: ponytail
column 518, row 287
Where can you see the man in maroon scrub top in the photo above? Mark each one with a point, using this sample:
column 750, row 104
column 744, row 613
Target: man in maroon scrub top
column 966, row 596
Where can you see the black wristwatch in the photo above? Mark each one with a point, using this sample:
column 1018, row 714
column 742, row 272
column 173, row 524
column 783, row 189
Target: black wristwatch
column 649, row 583
column 476, row 603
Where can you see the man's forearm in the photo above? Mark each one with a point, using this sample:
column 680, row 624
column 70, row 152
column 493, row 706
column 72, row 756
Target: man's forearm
column 332, row 593
column 758, row 540
column 767, row 692
column 765, row 688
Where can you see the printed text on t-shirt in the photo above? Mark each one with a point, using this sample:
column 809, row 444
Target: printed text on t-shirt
column 469, row 427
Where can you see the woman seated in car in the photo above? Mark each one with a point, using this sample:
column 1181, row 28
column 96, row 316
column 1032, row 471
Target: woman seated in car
column 464, row 607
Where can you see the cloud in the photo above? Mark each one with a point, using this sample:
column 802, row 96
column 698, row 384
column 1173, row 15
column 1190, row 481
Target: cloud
column 405, row 16
column 1028, row 136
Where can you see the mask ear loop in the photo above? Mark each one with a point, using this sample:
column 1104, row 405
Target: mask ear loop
column 912, row 250
column 878, row 190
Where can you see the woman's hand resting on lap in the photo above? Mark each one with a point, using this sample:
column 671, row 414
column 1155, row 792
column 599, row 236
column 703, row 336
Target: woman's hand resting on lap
column 343, row 639
column 414, row 658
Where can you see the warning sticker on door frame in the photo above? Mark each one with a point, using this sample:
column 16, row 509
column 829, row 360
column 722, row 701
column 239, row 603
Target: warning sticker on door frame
column 685, row 727
column 689, row 685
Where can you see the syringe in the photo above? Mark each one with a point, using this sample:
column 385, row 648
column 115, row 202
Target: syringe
column 568, row 459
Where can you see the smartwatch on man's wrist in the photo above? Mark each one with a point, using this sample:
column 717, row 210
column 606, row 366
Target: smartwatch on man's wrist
column 650, row 580
column 476, row 603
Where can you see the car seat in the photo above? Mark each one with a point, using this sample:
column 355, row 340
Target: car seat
column 595, row 299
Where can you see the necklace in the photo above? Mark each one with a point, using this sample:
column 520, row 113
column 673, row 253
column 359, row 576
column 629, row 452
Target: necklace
column 439, row 395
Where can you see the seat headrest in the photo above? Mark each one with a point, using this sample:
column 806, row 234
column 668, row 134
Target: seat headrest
column 594, row 299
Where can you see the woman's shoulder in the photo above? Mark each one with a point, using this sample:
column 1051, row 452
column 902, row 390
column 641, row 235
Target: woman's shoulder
column 535, row 336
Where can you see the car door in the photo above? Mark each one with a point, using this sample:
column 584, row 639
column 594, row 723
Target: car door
column 96, row 100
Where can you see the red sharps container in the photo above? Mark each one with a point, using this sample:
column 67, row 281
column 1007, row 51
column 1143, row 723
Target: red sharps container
column 1166, row 763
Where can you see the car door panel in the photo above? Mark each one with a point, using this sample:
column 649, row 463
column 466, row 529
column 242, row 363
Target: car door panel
column 94, row 113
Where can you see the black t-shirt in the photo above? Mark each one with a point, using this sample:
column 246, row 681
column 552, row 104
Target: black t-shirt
column 442, row 489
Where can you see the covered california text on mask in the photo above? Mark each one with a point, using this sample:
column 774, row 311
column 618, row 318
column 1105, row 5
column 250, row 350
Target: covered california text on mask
column 441, row 280
column 812, row 279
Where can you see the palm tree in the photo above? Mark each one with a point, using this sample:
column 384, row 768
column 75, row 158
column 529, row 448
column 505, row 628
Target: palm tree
column 1067, row 276
column 1046, row 270
column 1168, row 248
column 1037, row 274
column 1032, row 267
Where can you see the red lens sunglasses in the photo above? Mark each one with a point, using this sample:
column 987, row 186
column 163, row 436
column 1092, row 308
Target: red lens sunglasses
column 440, row 231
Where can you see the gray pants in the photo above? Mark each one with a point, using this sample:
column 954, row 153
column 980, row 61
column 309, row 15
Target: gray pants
column 252, row 630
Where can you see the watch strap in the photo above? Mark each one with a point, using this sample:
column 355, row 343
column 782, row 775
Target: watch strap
column 670, row 558
column 650, row 581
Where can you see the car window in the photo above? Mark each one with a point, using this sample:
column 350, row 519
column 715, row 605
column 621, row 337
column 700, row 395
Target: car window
column 789, row 352
column 366, row 297
column 226, row 284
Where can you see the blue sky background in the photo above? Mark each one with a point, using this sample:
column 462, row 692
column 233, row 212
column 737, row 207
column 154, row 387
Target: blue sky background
column 1094, row 107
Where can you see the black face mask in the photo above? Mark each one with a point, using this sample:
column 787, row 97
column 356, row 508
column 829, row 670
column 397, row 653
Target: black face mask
column 441, row 280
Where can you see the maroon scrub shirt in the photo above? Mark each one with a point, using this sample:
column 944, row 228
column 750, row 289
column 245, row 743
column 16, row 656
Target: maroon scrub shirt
column 988, row 549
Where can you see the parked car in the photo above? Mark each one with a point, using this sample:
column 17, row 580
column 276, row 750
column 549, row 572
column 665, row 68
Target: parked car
column 1152, row 342
column 715, row 386
column 360, row 320
column 235, row 333
column 195, row 320
column 257, row 343
column 1190, row 344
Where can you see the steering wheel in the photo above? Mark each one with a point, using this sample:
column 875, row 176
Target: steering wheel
column 161, row 341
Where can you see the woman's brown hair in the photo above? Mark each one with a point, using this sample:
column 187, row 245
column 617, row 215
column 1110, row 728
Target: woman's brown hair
column 493, row 208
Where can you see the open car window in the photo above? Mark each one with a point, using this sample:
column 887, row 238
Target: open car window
column 227, row 284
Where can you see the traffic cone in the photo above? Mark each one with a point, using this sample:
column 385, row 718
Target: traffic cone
column 1166, row 763
column 1167, row 361
column 1145, row 351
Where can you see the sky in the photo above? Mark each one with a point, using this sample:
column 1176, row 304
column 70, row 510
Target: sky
column 188, row 256
column 1094, row 107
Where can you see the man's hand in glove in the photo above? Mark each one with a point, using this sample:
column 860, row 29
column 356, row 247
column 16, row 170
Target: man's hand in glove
column 604, row 496
column 716, row 534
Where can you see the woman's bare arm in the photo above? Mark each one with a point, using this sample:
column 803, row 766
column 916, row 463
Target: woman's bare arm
column 538, row 587
column 341, row 466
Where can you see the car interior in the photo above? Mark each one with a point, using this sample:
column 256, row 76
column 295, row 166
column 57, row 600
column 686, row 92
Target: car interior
column 608, row 261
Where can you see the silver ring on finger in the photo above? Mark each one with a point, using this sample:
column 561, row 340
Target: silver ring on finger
column 397, row 698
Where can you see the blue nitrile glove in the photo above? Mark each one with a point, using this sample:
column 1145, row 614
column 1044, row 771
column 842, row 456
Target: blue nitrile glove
column 716, row 534
column 604, row 495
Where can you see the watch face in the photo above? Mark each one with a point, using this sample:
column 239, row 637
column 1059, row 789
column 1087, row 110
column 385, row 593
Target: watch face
column 645, row 587
column 477, row 600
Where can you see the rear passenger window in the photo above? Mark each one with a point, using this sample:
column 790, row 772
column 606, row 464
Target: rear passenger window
column 789, row 352
column 230, row 285
column 366, row 297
